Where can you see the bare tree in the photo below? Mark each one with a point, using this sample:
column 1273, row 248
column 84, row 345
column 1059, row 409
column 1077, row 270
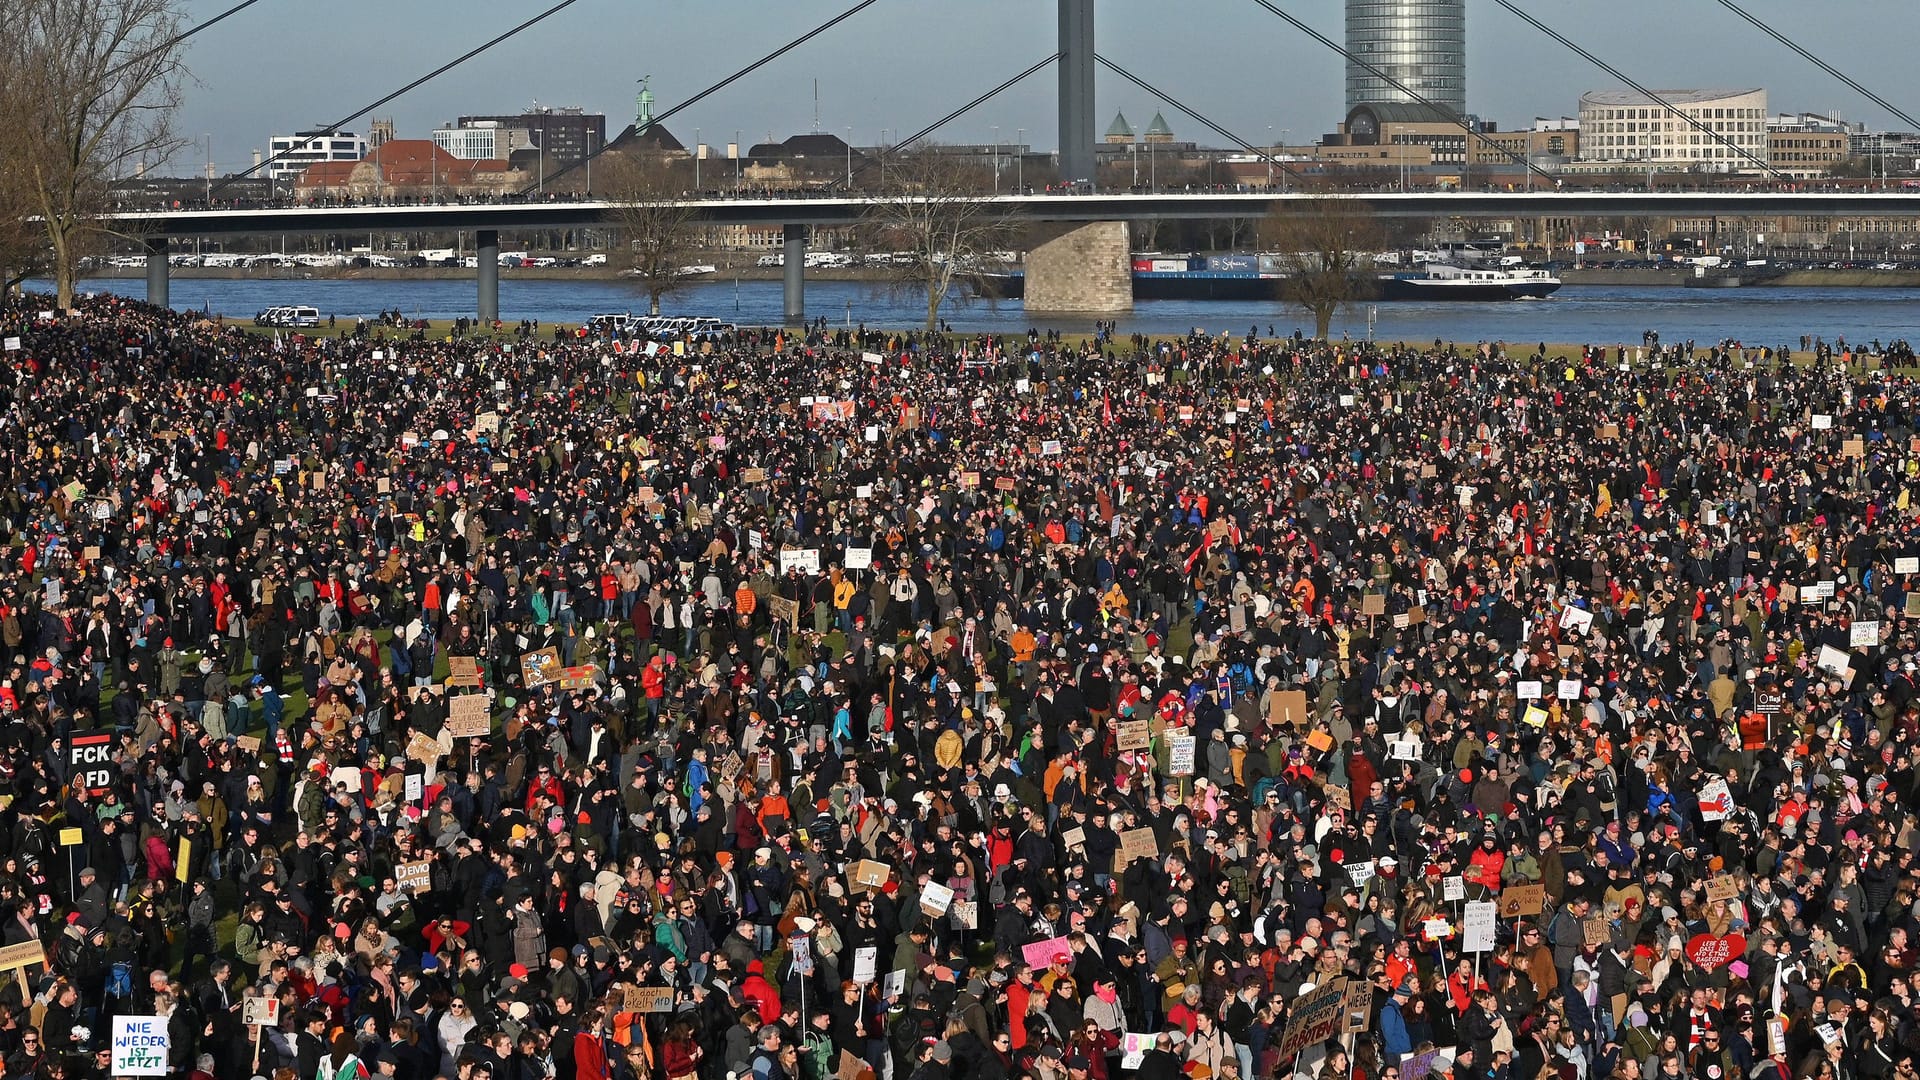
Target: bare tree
column 1325, row 250
column 94, row 85
column 931, row 209
column 655, row 218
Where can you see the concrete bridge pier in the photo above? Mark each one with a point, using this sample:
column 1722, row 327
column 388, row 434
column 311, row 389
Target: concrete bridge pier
column 486, row 251
column 794, row 254
column 1084, row 268
column 157, row 271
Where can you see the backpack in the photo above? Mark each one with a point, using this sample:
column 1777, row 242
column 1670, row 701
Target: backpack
column 120, row 979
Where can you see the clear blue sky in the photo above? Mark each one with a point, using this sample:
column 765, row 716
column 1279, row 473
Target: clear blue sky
column 287, row 64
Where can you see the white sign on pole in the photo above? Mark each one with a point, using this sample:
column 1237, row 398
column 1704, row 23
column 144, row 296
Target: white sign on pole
column 859, row 558
column 806, row 560
column 1360, row 873
column 865, row 959
column 1907, row 565
column 1527, row 689
column 1476, row 926
column 936, row 898
column 1180, row 750
column 1569, row 690
column 1453, row 888
column 140, row 1045
column 1576, row 619
column 1864, row 633
column 13, row 344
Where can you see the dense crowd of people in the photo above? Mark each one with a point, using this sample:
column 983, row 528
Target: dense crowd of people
column 852, row 704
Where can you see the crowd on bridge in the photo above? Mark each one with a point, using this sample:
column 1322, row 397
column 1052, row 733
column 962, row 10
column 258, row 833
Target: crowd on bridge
column 850, row 704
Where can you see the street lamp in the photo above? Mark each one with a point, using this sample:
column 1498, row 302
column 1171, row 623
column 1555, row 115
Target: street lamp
column 208, row 136
column 849, row 145
column 996, row 159
column 1020, row 160
column 699, row 151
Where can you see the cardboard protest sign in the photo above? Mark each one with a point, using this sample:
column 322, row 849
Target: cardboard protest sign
column 24, row 955
column 1722, row 887
column 1315, row 1018
column 1132, row 735
column 1593, row 930
column 1520, row 900
column 578, row 677
column 1074, row 838
column 467, row 716
column 1137, row 844
column 463, row 671
column 417, row 876
column 648, row 999
column 868, row 874
column 1288, row 707
column 540, row 667
column 423, row 748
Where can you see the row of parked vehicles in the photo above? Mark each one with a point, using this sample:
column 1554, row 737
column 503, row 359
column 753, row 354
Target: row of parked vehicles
column 289, row 315
column 338, row 261
column 661, row 327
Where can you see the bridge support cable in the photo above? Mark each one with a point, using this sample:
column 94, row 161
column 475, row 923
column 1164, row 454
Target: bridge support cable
column 840, row 182
column 428, row 77
column 1263, row 155
column 731, row 79
column 180, row 37
column 1447, row 111
column 1704, row 129
column 1776, row 35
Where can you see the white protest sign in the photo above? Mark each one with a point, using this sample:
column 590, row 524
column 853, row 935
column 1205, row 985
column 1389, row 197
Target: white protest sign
column 936, row 898
column 1822, row 421
column 1527, row 689
column 1569, row 690
column 1576, row 619
column 140, row 1045
column 1180, row 749
column 806, row 560
column 859, row 558
column 1832, row 659
column 1476, row 926
column 1453, row 888
column 1405, row 750
column 13, row 344
column 1864, row 633
column 1360, row 873
column 1908, row 565
column 865, row 960
column 1134, row 1046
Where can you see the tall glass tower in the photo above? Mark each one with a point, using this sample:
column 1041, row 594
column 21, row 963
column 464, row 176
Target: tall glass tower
column 1421, row 43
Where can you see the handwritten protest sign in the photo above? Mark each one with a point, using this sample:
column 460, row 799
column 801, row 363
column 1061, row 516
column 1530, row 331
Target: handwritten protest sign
column 467, row 716
column 140, row 1045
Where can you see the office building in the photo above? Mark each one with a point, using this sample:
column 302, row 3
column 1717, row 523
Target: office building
column 563, row 136
column 1628, row 128
column 1421, row 44
column 291, row 154
column 483, row 140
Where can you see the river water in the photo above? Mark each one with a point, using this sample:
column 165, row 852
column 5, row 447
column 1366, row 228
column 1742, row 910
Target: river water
column 1590, row 314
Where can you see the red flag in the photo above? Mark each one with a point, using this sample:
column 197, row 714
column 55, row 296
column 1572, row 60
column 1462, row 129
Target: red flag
column 1106, row 408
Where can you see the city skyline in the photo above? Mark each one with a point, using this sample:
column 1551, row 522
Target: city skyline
column 1237, row 63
